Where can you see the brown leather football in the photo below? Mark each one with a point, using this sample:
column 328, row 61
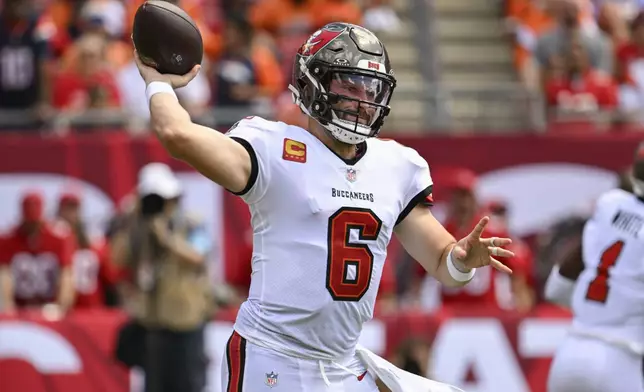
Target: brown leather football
column 166, row 37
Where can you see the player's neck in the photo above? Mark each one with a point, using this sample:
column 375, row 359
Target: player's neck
column 343, row 150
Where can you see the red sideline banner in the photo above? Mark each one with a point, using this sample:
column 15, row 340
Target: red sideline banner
column 479, row 351
column 543, row 178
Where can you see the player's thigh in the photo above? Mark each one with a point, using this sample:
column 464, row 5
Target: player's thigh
column 590, row 365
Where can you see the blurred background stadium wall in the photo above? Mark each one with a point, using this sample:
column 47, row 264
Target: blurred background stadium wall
column 526, row 110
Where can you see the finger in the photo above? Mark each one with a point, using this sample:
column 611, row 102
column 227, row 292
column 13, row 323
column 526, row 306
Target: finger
column 182, row 80
column 500, row 252
column 478, row 230
column 496, row 241
column 499, row 265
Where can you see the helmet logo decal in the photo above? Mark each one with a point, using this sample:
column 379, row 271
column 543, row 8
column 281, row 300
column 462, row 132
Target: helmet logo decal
column 317, row 41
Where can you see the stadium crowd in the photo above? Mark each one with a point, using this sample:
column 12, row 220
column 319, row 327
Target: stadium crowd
column 585, row 56
column 64, row 57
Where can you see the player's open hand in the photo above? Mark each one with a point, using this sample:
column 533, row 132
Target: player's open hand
column 474, row 251
column 149, row 74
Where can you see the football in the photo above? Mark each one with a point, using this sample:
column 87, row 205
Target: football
column 166, row 38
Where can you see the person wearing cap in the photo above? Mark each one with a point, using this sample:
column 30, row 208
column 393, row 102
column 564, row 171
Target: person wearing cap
column 35, row 262
column 94, row 274
column 168, row 294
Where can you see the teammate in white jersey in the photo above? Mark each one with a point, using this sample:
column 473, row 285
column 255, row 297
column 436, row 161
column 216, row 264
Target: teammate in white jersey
column 603, row 283
column 325, row 202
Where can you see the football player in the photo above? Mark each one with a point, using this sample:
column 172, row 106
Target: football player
column 602, row 281
column 325, row 202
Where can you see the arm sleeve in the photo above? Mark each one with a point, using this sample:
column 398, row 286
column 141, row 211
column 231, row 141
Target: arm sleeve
column 420, row 187
column 255, row 140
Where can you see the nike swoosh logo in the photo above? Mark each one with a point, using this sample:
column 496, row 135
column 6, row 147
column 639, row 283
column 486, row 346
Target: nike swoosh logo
column 360, row 377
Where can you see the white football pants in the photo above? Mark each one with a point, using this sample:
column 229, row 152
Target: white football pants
column 247, row 367
column 584, row 364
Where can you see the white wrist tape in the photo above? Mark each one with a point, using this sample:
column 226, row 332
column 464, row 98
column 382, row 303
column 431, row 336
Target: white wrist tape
column 455, row 273
column 159, row 87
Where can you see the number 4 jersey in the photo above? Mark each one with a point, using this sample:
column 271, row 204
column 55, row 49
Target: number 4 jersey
column 608, row 300
column 321, row 226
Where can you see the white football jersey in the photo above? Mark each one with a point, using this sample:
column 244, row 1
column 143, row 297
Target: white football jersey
column 321, row 226
column 609, row 295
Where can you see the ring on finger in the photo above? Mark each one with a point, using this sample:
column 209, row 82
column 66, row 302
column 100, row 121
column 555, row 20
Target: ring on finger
column 495, row 251
column 492, row 241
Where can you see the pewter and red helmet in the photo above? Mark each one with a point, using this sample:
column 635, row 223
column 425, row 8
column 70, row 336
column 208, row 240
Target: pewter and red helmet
column 343, row 79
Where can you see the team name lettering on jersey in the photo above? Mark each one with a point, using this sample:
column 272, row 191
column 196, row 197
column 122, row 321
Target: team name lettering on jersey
column 628, row 222
column 351, row 195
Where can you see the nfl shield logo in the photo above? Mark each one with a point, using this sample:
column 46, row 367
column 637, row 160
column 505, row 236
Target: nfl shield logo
column 271, row 379
column 351, row 174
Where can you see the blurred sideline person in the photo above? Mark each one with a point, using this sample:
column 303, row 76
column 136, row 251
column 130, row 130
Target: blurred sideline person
column 94, row 275
column 36, row 262
column 602, row 281
column 168, row 294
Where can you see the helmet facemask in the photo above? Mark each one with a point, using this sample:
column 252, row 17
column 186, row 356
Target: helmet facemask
column 350, row 103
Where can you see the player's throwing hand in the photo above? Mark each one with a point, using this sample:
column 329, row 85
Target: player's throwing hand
column 149, row 74
column 474, row 251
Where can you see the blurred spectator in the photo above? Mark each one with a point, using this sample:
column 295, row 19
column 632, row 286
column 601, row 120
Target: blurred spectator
column 573, row 87
column 100, row 17
column 91, row 85
column 245, row 72
column 234, row 73
column 630, row 71
column 169, row 296
column 94, row 275
column 522, row 294
column 24, row 51
column 526, row 20
column 35, row 262
column 573, row 26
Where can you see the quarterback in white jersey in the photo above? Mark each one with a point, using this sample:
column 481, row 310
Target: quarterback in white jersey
column 325, row 202
column 604, row 349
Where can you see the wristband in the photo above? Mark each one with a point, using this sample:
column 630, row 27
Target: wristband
column 455, row 273
column 159, row 87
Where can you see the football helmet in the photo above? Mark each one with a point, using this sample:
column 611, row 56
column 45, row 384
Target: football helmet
column 343, row 79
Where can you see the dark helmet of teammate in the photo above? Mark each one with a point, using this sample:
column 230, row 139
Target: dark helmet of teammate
column 343, row 79
column 637, row 173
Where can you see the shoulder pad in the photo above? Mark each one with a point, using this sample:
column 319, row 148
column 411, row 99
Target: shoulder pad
column 255, row 122
column 612, row 197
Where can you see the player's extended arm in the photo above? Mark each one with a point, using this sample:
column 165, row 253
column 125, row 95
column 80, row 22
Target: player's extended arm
column 427, row 241
column 212, row 153
column 6, row 287
column 561, row 282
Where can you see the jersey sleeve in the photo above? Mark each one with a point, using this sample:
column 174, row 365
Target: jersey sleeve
column 254, row 139
column 420, row 184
